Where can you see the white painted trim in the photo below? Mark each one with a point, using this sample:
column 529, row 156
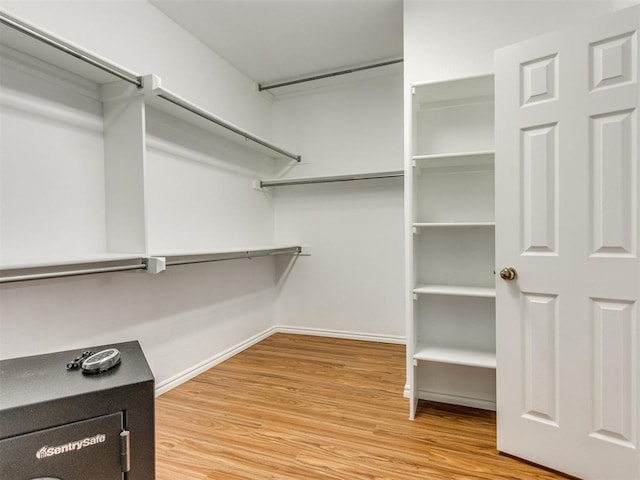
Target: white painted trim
column 214, row 360
column 205, row 365
column 367, row 337
column 453, row 399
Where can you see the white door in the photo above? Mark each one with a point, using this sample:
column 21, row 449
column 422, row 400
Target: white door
column 567, row 219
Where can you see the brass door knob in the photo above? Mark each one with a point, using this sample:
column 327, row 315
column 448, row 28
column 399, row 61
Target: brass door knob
column 508, row 273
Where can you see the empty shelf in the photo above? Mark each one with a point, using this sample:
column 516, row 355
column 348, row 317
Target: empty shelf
column 484, row 158
column 453, row 224
column 456, row 356
column 456, row 290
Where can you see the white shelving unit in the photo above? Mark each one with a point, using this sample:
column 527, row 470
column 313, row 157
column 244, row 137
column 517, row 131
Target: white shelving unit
column 449, row 183
column 84, row 200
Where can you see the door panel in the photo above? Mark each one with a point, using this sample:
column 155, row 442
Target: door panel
column 567, row 220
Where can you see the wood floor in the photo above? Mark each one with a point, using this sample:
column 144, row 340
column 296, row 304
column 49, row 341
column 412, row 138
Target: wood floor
column 297, row 407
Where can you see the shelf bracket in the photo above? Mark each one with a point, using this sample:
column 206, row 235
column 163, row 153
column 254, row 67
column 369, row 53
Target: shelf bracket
column 151, row 84
column 155, row 264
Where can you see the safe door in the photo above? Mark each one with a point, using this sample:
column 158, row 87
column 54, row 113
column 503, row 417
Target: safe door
column 91, row 449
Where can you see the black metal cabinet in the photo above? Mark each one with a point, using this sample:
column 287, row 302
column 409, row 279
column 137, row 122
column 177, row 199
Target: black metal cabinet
column 60, row 424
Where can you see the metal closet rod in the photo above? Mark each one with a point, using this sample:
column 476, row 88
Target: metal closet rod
column 262, row 88
column 232, row 256
column 335, row 178
column 69, row 49
column 71, row 273
column 203, row 258
column 180, row 102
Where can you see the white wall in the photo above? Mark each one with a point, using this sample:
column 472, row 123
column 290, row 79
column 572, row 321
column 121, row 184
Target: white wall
column 188, row 314
column 352, row 284
column 448, row 39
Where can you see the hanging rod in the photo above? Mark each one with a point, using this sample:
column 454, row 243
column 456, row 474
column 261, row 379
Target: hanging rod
column 185, row 104
column 335, row 178
column 71, row 273
column 262, row 88
column 69, row 49
column 187, row 259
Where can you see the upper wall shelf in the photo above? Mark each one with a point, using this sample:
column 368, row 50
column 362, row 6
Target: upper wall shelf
column 38, row 43
column 41, row 44
column 176, row 106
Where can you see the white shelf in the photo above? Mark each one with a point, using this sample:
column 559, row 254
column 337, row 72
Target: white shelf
column 483, row 158
column 54, row 267
column 188, row 257
column 41, row 44
column 456, row 356
column 58, row 261
column 178, row 107
column 453, row 224
column 455, row 290
column 332, row 178
column 436, row 93
column 57, row 51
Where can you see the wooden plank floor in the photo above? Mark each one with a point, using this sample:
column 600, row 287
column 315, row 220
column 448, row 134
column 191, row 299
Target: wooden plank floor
column 297, row 407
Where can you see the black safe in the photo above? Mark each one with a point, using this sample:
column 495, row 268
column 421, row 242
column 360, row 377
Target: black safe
column 60, row 424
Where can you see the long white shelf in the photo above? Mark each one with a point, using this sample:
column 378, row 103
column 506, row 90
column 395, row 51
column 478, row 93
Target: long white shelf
column 280, row 182
column 47, row 267
column 189, row 257
column 455, row 290
column 482, row 158
column 456, row 356
column 453, row 224
column 62, row 260
column 53, row 267
column 52, row 49
column 179, row 107
column 57, row 51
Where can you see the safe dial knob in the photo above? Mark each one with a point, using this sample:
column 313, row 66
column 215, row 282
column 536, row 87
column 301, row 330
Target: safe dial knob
column 508, row 273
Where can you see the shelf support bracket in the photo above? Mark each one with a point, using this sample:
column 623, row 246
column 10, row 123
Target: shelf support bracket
column 155, row 264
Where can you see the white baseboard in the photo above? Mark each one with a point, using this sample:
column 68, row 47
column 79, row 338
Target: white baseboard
column 214, row 360
column 453, row 399
column 367, row 337
column 205, row 365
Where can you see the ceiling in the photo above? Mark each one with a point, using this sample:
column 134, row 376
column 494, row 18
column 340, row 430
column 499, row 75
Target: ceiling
column 273, row 40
